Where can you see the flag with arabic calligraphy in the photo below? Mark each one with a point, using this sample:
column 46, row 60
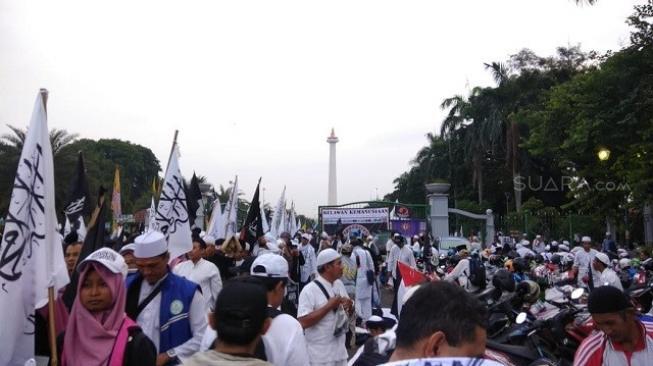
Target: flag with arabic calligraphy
column 31, row 257
column 172, row 213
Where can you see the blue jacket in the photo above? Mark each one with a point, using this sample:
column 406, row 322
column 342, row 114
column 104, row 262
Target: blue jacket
column 174, row 318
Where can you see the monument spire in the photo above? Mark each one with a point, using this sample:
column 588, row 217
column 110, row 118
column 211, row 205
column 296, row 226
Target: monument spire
column 333, row 181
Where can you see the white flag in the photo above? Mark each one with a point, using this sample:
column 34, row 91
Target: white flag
column 217, row 222
column 172, row 213
column 231, row 211
column 275, row 223
column 81, row 231
column 283, row 222
column 292, row 224
column 31, row 255
column 266, row 224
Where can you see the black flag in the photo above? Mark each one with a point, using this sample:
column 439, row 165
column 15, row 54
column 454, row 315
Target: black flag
column 193, row 199
column 95, row 239
column 253, row 226
column 78, row 202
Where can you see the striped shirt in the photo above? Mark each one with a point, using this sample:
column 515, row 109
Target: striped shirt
column 599, row 350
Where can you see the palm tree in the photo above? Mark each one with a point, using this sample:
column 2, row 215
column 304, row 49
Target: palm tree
column 11, row 146
column 14, row 142
column 506, row 128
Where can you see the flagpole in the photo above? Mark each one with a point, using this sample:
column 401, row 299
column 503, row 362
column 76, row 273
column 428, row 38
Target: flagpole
column 172, row 150
column 52, row 334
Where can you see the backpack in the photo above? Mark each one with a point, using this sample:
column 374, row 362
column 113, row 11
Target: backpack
column 477, row 272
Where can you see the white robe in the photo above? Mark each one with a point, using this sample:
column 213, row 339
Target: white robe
column 363, row 288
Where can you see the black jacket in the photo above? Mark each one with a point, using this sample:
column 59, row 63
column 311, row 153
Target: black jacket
column 139, row 351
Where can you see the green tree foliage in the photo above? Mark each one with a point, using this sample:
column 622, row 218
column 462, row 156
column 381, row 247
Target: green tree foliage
column 138, row 167
column 534, row 135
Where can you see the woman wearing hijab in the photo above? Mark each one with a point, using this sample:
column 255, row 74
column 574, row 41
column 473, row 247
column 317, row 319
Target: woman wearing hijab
column 99, row 332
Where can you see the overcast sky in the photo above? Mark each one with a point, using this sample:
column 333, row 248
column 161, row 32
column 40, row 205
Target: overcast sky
column 254, row 87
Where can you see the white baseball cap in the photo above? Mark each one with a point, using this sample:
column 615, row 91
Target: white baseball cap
column 326, row 256
column 270, row 265
column 107, row 257
column 150, row 245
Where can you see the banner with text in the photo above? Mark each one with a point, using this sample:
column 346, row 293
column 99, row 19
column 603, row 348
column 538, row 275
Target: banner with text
column 354, row 221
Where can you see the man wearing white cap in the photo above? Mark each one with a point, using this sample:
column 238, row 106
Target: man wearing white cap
column 170, row 309
column 309, row 268
column 323, row 304
column 284, row 342
column 608, row 277
column 582, row 263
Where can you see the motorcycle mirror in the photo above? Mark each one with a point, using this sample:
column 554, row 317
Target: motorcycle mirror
column 521, row 318
column 577, row 293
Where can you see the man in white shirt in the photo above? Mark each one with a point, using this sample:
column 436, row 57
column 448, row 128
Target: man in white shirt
column 399, row 252
column 523, row 249
column 202, row 272
column 285, row 344
column 582, row 261
column 156, row 296
column 538, row 244
column 460, row 273
column 608, row 277
column 323, row 305
column 309, row 268
column 364, row 273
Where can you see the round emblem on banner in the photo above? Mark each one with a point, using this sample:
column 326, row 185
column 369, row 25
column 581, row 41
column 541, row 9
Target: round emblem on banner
column 176, row 307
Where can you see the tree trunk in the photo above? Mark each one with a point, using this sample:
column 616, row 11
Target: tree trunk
column 478, row 172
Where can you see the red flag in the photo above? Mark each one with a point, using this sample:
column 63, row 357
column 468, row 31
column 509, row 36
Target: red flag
column 410, row 276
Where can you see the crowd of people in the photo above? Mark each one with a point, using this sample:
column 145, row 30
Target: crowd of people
column 303, row 299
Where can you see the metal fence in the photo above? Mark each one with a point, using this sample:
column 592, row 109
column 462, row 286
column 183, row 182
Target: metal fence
column 551, row 224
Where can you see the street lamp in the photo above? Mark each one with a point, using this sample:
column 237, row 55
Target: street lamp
column 603, row 154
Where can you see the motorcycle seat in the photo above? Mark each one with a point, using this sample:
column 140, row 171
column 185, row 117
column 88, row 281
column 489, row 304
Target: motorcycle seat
column 519, row 351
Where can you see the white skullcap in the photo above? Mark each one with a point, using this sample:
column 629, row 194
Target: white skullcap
column 603, row 258
column 586, row 239
column 624, row 262
column 209, row 239
column 150, row 245
column 326, row 256
column 370, row 237
column 324, row 235
column 127, row 248
column 563, row 248
column 269, row 237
